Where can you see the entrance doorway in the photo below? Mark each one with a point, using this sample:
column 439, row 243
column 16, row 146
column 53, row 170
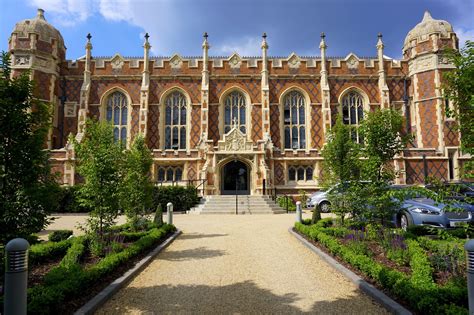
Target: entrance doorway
column 235, row 179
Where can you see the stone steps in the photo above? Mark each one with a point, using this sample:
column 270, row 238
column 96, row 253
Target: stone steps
column 246, row 205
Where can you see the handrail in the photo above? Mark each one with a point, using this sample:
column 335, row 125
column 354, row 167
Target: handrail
column 275, row 196
column 186, row 182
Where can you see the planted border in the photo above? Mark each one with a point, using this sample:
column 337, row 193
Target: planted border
column 419, row 291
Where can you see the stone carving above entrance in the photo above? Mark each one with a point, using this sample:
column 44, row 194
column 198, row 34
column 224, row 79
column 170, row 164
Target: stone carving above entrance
column 235, row 141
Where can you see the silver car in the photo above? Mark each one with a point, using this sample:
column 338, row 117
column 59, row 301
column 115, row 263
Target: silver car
column 320, row 198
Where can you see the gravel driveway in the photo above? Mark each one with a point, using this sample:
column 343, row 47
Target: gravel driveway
column 238, row 264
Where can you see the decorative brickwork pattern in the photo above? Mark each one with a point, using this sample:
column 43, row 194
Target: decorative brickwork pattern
column 94, row 112
column 70, row 127
column 134, row 122
column 414, row 172
column 426, row 85
column 42, row 88
column 438, row 169
column 23, row 43
column 334, row 114
column 396, row 89
column 275, row 125
column 279, row 173
column 450, row 133
column 73, row 90
column 153, row 133
column 317, row 137
column 256, row 123
column 250, row 86
column 214, row 124
column 370, row 87
column 98, row 88
column 191, row 87
column 277, row 86
column 191, row 171
column 195, row 126
column 429, row 131
column 44, row 46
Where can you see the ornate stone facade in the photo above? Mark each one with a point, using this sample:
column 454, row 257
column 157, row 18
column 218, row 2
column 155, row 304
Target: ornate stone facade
column 270, row 115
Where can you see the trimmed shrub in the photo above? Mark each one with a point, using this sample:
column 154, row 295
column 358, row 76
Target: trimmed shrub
column 59, row 235
column 182, row 198
column 45, row 251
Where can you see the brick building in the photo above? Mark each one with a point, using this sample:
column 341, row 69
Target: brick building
column 241, row 122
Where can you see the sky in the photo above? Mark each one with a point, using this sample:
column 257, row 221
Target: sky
column 176, row 26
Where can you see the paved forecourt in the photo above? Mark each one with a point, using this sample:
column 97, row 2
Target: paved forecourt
column 239, row 264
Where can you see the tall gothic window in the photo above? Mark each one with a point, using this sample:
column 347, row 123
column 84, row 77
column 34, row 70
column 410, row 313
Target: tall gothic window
column 175, row 121
column 234, row 111
column 294, row 121
column 117, row 114
column 353, row 113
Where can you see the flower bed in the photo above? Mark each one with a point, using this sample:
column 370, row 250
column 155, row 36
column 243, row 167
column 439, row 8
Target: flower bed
column 74, row 274
column 424, row 274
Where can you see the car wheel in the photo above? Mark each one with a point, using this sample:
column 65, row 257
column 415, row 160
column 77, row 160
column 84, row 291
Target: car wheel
column 405, row 221
column 325, row 207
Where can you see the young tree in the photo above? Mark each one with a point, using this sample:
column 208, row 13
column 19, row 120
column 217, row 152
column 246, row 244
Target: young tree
column 136, row 183
column 24, row 169
column 459, row 88
column 99, row 158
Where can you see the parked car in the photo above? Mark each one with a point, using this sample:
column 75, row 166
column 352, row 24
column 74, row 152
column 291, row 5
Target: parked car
column 320, row 198
column 421, row 210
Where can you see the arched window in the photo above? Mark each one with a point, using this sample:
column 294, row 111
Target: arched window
column 117, row 114
column 300, row 173
column 294, row 121
column 235, row 111
column 353, row 113
column 175, row 121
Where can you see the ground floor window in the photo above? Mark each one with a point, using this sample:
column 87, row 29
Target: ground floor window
column 300, row 173
column 170, row 173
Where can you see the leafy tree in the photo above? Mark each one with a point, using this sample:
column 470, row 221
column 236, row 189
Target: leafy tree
column 341, row 155
column 383, row 139
column 459, row 88
column 25, row 176
column 99, row 159
column 137, row 189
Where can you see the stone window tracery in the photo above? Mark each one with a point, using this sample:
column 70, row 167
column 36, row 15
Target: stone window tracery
column 170, row 174
column 300, row 173
column 353, row 113
column 235, row 112
column 294, row 121
column 117, row 114
column 175, row 121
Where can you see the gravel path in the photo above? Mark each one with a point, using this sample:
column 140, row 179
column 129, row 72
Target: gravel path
column 239, row 265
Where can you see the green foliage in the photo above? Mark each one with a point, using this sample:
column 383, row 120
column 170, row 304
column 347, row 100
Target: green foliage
column 341, row 155
column 70, row 281
column 49, row 250
column 74, row 253
column 136, row 189
column 68, row 200
column 419, row 290
column 303, row 197
column 99, row 158
column 158, row 219
column 59, row 235
column 459, row 88
column 25, row 177
column 182, row 198
column 316, row 214
column 286, row 202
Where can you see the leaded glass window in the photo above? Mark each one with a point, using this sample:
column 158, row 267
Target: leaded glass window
column 234, row 112
column 117, row 114
column 353, row 113
column 300, row 173
column 175, row 121
column 294, row 121
column 170, row 174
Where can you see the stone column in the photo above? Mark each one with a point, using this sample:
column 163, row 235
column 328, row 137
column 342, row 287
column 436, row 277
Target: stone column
column 145, row 88
column 325, row 95
column 383, row 88
column 265, row 91
column 85, row 90
column 205, row 90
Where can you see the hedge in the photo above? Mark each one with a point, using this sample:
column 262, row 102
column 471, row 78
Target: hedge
column 71, row 280
column 419, row 290
column 59, row 235
column 39, row 253
column 183, row 198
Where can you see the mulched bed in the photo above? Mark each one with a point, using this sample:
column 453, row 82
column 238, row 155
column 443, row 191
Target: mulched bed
column 74, row 304
column 356, row 271
column 36, row 273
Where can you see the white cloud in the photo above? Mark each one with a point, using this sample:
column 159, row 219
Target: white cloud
column 464, row 35
column 245, row 46
column 66, row 12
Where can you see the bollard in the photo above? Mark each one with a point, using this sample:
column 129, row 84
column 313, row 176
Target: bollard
column 299, row 218
column 169, row 209
column 469, row 247
column 16, row 276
